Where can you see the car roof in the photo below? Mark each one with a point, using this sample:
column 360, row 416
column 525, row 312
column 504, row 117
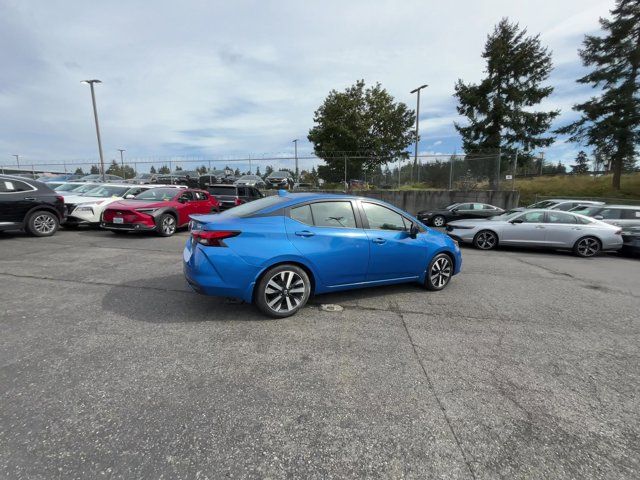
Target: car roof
column 624, row 207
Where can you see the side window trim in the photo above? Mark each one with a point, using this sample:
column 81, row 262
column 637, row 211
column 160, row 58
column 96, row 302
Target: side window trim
column 31, row 187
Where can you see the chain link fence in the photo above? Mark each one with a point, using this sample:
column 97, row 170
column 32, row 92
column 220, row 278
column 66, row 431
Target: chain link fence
column 344, row 171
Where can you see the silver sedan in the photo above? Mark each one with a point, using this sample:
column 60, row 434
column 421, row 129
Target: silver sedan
column 539, row 228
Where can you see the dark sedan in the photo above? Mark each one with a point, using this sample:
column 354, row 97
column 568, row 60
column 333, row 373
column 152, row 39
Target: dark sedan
column 631, row 240
column 457, row 211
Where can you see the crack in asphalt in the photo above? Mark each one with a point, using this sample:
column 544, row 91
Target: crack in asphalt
column 433, row 391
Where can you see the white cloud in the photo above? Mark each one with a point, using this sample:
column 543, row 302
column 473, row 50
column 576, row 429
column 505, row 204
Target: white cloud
column 227, row 78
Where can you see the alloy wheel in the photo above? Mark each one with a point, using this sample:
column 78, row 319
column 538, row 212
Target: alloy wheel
column 44, row 224
column 486, row 240
column 440, row 272
column 284, row 291
column 438, row 221
column 168, row 225
column 588, row 247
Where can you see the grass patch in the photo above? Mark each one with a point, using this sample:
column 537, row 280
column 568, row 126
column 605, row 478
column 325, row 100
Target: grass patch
column 584, row 186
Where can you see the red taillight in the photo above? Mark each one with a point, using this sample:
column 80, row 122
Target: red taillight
column 237, row 201
column 60, row 198
column 212, row 238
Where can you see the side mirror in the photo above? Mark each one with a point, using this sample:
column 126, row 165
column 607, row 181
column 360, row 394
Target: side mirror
column 414, row 230
column 182, row 200
column 131, row 195
column 517, row 220
column 599, row 217
column 454, row 210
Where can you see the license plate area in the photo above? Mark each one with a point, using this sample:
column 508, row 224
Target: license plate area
column 118, row 220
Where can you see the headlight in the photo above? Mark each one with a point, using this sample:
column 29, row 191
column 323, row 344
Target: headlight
column 148, row 211
column 86, row 207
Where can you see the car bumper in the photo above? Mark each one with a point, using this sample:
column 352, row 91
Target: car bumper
column 218, row 271
column 128, row 227
column 461, row 235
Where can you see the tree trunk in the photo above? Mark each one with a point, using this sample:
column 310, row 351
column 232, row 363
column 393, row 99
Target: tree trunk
column 617, row 172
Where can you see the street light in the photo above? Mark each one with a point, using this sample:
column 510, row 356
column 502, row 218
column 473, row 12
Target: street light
column 295, row 144
column 95, row 116
column 415, row 152
column 124, row 174
column 17, row 160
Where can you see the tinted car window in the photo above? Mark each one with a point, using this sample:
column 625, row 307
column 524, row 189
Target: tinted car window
column 631, row 214
column 463, row 206
column 9, row 186
column 220, row 190
column 610, row 213
column 188, row 196
column 532, row 217
column 333, row 214
column 487, row 207
column 560, row 217
column 564, row 206
column 383, row 218
column 302, row 214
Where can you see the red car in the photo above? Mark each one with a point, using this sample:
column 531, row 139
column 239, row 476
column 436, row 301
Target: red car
column 162, row 210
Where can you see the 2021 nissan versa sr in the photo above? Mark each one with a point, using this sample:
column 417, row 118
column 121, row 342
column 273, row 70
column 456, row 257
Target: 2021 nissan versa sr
column 278, row 251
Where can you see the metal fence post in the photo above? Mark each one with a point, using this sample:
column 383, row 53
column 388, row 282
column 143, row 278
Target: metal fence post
column 515, row 167
column 451, row 160
column 345, row 174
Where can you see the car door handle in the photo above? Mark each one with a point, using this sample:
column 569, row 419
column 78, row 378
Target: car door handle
column 576, row 228
column 379, row 241
column 540, row 227
column 305, row 233
column 29, row 198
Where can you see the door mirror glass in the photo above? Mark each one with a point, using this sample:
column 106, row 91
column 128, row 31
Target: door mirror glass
column 517, row 220
column 414, row 230
column 131, row 195
column 599, row 217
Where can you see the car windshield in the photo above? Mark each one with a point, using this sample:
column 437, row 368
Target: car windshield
column 586, row 210
column 221, row 190
column 279, row 175
column 543, row 204
column 69, row 187
column 506, row 216
column 250, row 177
column 158, row 194
column 143, row 176
column 105, row 191
column 87, row 187
column 247, row 209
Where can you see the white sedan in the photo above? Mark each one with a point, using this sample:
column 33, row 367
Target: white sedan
column 87, row 208
column 539, row 228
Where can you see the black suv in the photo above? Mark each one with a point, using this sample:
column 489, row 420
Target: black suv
column 230, row 196
column 29, row 205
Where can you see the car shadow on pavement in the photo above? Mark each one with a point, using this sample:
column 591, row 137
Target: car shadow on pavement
column 169, row 300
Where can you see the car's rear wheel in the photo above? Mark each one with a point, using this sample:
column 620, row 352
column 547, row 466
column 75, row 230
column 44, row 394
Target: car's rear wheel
column 485, row 240
column 282, row 291
column 438, row 221
column 42, row 224
column 166, row 225
column 587, row 247
column 439, row 272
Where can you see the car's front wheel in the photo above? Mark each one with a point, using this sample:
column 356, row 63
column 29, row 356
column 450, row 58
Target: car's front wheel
column 485, row 240
column 439, row 272
column 42, row 224
column 166, row 225
column 282, row 291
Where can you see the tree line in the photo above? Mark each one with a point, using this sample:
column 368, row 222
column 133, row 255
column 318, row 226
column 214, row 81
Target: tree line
column 500, row 111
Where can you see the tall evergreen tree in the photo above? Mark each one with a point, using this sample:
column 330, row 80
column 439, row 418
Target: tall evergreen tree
column 498, row 109
column 94, row 170
column 152, row 169
column 610, row 121
column 582, row 163
column 78, row 171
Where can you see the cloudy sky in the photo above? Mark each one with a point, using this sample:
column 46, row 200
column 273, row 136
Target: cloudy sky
column 235, row 78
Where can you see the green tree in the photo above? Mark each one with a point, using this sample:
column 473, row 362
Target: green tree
column 201, row 170
column 178, row 168
column 610, row 121
column 258, row 171
column 365, row 126
column 164, row 170
column 268, row 171
column 78, row 171
column 499, row 108
column 237, row 172
column 152, row 169
column 582, row 163
column 94, row 170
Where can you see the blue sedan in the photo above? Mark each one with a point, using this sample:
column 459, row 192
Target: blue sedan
column 278, row 251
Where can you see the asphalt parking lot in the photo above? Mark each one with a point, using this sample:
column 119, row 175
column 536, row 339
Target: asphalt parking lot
column 526, row 366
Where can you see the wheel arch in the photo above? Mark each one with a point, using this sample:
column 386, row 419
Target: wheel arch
column 38, row 208
column 495, row 232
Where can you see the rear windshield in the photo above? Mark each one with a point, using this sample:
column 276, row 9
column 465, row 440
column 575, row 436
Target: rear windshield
column 248, row 209
column 217, row 190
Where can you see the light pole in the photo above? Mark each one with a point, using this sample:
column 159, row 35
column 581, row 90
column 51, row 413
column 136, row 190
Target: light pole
column 95, row 116
column 124, row 174
column 295, row 145
column 415, row 151
column 17, row 160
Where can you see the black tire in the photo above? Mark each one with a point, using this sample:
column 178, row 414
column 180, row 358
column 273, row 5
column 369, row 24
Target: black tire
column 485, row 240
column 274, row 295
column 587, row 247
column 438, row 221
column 439, row 272
column 42, row 224
column 166, row 225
